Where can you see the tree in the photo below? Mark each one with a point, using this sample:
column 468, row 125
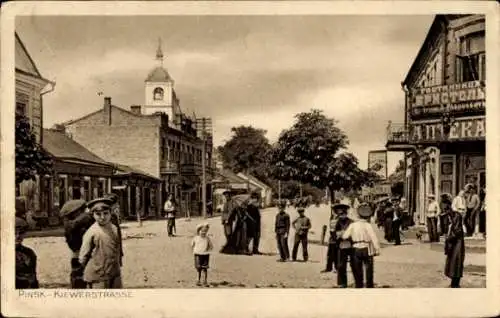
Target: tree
column 247, row 151
column 31, row 158
column 307, row 152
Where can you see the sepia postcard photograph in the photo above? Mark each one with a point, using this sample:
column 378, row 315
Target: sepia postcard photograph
column 261, row 159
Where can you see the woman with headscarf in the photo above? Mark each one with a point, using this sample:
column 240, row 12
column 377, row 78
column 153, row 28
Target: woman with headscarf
column 454, row 248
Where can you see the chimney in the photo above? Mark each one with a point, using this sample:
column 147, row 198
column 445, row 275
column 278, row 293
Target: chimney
column 107, row 110
column 135, row 109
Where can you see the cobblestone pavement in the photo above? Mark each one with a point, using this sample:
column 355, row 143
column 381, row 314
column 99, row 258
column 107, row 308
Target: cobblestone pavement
column 154, row 260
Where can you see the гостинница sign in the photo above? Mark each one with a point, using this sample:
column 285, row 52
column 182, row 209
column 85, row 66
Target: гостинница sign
column 453, row 98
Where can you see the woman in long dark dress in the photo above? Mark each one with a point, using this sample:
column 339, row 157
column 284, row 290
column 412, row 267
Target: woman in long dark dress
column 455, row 250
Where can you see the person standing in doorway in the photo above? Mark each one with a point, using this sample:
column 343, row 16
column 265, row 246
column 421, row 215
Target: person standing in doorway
column 302, row 225
column 473, row 206
column 432, row 215
column 454, row 249
column 170, row 212
column 282, row 229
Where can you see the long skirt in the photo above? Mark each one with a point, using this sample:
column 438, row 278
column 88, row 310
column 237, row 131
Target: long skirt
column 455, row 257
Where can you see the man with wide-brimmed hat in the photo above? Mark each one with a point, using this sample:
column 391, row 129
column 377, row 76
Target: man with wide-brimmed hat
column 365, row 246
column 76, row 222
column 25, row 258
column 343, row 247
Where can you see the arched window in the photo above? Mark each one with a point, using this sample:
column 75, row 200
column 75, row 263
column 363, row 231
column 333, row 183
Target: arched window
column 158, row 93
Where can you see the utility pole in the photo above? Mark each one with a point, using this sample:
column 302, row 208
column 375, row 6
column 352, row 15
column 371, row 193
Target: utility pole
column 204, row 175
column 300, row 190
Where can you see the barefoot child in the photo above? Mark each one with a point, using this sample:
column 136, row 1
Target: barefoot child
column 201, row 245
column 100, row 251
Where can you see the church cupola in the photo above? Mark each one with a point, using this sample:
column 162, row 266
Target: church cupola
column 159, row 88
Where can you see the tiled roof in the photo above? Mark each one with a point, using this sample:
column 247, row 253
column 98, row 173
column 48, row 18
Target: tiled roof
column 61, row 146
column 158, row 74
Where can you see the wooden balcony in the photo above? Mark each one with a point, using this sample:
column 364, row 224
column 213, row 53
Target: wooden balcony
column 398, row 137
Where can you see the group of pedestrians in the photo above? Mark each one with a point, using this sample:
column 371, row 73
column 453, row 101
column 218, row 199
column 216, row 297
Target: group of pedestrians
column 352, row 241
column 93, row 235
column 241, row 221
column 392, row 216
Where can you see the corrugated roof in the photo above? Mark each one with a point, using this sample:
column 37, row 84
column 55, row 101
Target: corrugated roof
column 61, row 146
column 158, row 74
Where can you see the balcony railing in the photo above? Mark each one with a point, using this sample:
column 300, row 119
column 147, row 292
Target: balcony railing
column 397, row 133
column 397, row 137
column 170, row 168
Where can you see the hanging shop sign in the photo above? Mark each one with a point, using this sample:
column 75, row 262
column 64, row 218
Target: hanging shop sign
column 463, row 129
column 462, row 97
column 377, row 162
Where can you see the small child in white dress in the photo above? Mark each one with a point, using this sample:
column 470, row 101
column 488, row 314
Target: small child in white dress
column 202, row 245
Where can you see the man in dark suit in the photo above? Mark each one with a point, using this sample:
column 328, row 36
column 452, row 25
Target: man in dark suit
column 254, row 222
column 227, row 218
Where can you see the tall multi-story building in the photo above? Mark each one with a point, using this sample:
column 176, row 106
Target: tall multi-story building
column 156, row 137
column 443, row 130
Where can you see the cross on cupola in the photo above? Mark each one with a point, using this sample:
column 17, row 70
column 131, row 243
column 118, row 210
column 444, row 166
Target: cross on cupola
column 159, row 53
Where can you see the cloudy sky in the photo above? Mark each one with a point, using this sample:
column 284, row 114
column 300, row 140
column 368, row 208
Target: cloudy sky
column 240, row 70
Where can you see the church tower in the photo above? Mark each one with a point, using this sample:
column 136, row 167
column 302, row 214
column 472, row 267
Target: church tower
column 159, row 89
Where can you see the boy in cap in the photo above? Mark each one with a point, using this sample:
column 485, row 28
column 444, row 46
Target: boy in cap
column 344, row 246
column 365, row 246
column 282, row 228
column 25, row 259
column 202, row 245
column 100, row 251
column 76, row 222
column 302, row 225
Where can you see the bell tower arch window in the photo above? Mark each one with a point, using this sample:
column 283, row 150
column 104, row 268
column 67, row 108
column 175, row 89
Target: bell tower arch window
column 158, row 93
